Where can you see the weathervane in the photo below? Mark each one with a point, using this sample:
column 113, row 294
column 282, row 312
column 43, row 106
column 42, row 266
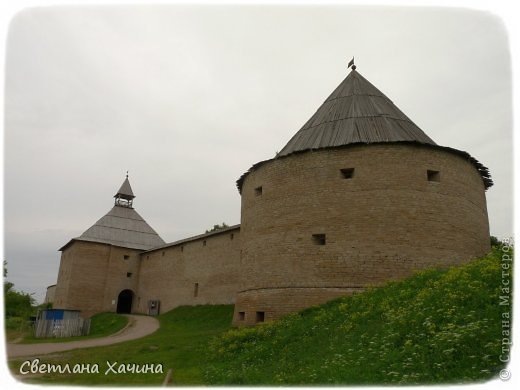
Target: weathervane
column 351, row 64
column 127, row 174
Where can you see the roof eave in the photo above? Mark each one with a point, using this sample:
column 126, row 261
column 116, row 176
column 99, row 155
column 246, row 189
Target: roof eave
column 482, row 169
column 101, row 243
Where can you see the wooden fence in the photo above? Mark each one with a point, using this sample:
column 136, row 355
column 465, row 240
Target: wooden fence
column 62, row 328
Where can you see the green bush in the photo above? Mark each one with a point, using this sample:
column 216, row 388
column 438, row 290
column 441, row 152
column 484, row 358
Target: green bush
column 17, row 303
column 13, row 323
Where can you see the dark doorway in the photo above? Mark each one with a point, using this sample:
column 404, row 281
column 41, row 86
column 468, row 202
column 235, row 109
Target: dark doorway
column 124, row 301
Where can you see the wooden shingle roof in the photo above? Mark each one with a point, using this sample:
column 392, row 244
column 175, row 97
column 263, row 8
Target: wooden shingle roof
column 121, row 226
column 125, row 191
column 359, row 113
column 356, row 112
column 124, row 227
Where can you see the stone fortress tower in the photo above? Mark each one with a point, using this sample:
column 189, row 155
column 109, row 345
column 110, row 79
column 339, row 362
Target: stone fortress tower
column 99, row 270
column 359, row 196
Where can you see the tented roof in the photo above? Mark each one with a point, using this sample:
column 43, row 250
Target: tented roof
column 356, row 112
column 125, row 191
column 124, row 227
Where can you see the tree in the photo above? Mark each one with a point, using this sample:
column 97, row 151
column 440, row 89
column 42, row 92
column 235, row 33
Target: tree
column 494, row 241
column 218, row 227
column 17, row 303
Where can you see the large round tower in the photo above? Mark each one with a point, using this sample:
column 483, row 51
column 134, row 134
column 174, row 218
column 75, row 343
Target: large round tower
column 359, row 196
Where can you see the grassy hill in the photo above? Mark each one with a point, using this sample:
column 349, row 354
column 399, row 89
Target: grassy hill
column 438, row 326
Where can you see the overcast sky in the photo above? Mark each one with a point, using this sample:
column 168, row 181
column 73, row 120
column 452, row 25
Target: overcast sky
column 187, row 98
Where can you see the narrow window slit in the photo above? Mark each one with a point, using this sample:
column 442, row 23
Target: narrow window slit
column 319, row 239
column 347, row 173
column 433, row 175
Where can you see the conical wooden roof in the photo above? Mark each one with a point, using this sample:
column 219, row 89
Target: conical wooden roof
column 356, row 112
column 359, row 113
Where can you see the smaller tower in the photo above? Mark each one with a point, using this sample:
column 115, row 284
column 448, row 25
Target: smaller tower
column 125, row 196
column 99, row 270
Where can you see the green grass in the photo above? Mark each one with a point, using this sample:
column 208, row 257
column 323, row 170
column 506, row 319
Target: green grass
column 16, row 328
column 180, row 344
column 102, row 324
column 434, row 327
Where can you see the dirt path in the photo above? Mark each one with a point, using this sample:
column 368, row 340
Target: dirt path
column 138, row 326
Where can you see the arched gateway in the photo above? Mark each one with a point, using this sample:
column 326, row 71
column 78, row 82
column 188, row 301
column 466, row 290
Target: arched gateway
column 124, row 302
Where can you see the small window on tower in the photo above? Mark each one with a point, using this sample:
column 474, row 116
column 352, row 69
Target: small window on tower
column 241, row 315
column 258, row 191
column 204, row 243
column 347, row 173
column 319, row 239
column 126, row 257
column 128, row 274
column 433, row 175
column 182, row 248
column 260, row 316
column 231, row 236
column 196, row 290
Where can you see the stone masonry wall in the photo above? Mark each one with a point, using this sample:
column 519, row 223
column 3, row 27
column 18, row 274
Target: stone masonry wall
column 383, row 223
column 195, row 272
column 92, row 275
column 49, row 294
column 61, row 292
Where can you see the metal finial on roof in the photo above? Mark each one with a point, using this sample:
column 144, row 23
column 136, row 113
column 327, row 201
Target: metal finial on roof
column 351, row 64
column 127, row 174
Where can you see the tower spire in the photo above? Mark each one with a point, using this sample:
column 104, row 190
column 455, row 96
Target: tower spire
column 125, row 196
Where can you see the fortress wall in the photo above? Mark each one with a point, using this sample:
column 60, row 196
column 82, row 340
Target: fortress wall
column 385, row 222
column 170, row 274
column 92, row 275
